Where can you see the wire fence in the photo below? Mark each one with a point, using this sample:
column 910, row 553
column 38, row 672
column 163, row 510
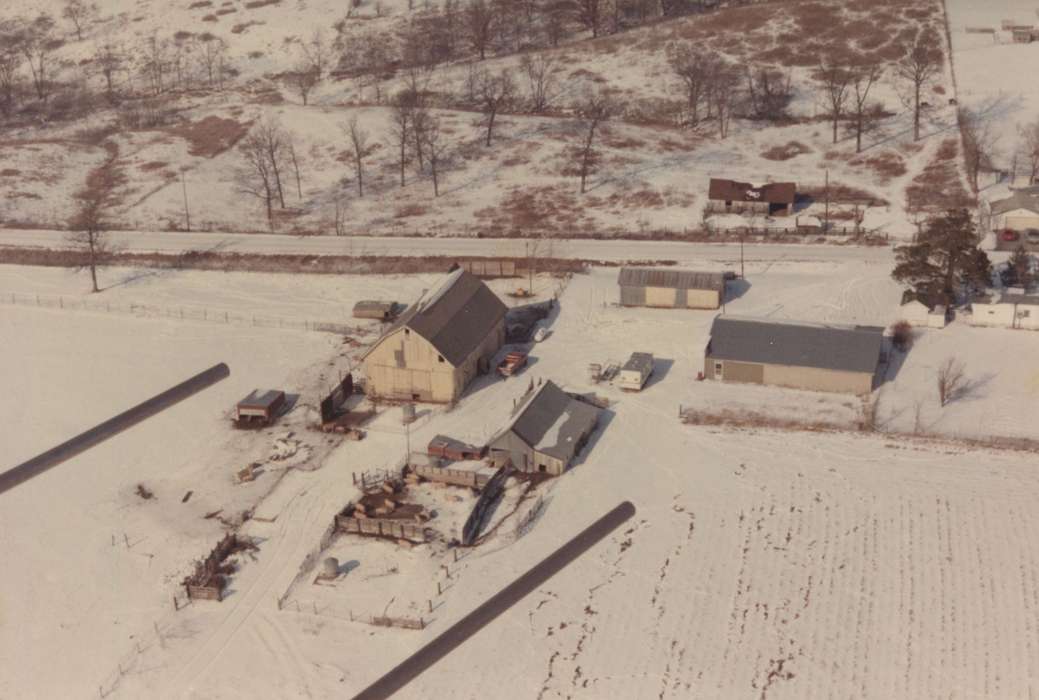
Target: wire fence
column 183, row 313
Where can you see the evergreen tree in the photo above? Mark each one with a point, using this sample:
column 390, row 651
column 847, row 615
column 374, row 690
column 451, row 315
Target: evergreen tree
column 944, row 258
column 1018, row 272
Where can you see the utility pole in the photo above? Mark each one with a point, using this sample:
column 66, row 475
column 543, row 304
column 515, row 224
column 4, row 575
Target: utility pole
column 184, row 188
column 742, row 276
column 826, row 215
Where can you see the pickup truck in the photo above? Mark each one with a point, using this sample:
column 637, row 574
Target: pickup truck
column 513, row 362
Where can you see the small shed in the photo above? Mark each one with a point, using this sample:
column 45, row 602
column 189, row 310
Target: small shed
column 378, row 310
column 733, row 197
column 938, row 317
column 636, row 371
column 546, row 432
column 261, row 407
column 672, row 289
column 1006, row 310
column 449, row 448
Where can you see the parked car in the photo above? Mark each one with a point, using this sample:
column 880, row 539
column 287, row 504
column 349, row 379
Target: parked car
column 1009, row 235
column 513, row 362
column 1033, row 235
column 540, row 334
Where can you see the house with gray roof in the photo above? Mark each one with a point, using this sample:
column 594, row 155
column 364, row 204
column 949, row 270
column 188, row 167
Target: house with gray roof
column 799, row 355
column 547, row 430
column 1014, row 218
column 670, row 288
column 435, row 348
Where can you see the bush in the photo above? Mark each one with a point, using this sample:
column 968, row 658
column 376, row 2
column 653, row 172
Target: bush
column 902, row 335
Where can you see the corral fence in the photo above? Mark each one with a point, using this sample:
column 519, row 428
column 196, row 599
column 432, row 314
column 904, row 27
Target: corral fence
column 184, row 313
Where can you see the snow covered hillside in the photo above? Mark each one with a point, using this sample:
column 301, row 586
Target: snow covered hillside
column 649, row 172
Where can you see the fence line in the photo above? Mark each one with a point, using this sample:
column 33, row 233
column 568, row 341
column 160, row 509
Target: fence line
column 184, row 313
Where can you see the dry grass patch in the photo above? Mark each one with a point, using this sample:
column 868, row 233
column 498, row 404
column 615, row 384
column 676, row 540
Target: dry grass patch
column 792, row 149
column 886, row 166
column 152, row 166
column 211, row 136
column 939, row 185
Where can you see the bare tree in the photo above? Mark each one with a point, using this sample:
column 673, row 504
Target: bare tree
column 724, row 94
column 496, row 94
column 401, row 121
column 109, row 60
column 10, row 62
column 436, row 148
column 769, row 93
column 595, row 109
column 155, row 62
column 589, row 13
column 1029, row 135
column 835, row 82
column 541, row 70
column 917, row 69
column 89, row 224
column 79, row 13
column 316, row 53
column 361, row 149
column 213, row 51
column 274, row 141
column 864, row 78
column 291, row 148
column 479, row 21
column 979, row 141
column 339, row 222
column 950, row 380
column 693, row 68
column 36, row 42
column 303, row 80
column 256, row 177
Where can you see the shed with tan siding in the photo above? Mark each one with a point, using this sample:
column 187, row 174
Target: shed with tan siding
column 798, row 355
column 682, row 289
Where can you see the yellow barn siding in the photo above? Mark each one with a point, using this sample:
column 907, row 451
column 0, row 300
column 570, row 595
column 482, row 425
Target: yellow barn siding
column 660, row 296
column 702, row 299
column 815, row 379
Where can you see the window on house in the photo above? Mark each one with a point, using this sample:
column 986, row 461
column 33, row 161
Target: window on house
column 407, row 331
column 440, row 358
column 1026, row 313
column 717, row 367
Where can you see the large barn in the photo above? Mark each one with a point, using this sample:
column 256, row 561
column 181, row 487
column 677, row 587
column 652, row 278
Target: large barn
column 546, row 432
column 682, row 289
column 798, row 355
column 732, row 197
column 439, row 344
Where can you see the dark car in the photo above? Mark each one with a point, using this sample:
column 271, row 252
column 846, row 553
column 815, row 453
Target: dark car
column 1009, row 235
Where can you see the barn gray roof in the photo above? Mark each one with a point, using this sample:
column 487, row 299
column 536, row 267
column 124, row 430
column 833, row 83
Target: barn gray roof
column 456, row 318
column 552, row 422
column 673, row 279
column 797, row 344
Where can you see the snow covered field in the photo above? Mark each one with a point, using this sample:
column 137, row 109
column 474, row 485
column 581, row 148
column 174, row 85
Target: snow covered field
column 777, row 564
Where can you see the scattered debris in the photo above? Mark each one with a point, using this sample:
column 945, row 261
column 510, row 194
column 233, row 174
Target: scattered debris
column 186, row 497
column 144, row 493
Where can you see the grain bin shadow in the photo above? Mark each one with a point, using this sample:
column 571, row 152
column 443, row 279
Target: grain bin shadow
column 734, row 289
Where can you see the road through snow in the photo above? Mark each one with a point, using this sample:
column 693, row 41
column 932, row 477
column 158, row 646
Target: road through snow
column 590, row 249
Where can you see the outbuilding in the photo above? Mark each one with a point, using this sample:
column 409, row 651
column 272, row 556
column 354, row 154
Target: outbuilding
column 378, row 310
column 439, row 344
column 1006, row 310
column 547, row 430
column 664, row 288
column 636, row 371
column 732, row 197
column 794, row 354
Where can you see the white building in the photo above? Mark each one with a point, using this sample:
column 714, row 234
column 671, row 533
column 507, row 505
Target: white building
column 1006, row 311
column 920, row 315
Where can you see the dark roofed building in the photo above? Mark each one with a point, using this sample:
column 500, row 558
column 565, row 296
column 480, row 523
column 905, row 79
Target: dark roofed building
column 733, row 197
column 547, row 430
column 670, row 288
column 816, row 357
column 439, row 343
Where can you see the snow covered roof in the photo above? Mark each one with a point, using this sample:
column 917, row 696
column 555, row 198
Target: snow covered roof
column 1026, row 198
column 553, row 422
column 673, row 279
column 456, row 318
column 796, row 343
column 732, row 191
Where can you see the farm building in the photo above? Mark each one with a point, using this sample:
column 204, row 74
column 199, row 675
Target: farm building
column 1006, row 310
column 683, row 289
column 547, row 430
column 732, row 197
column 794, row 354
column 1014, row 219
column 438, row 344
column 921, row 315
column 378, row 310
